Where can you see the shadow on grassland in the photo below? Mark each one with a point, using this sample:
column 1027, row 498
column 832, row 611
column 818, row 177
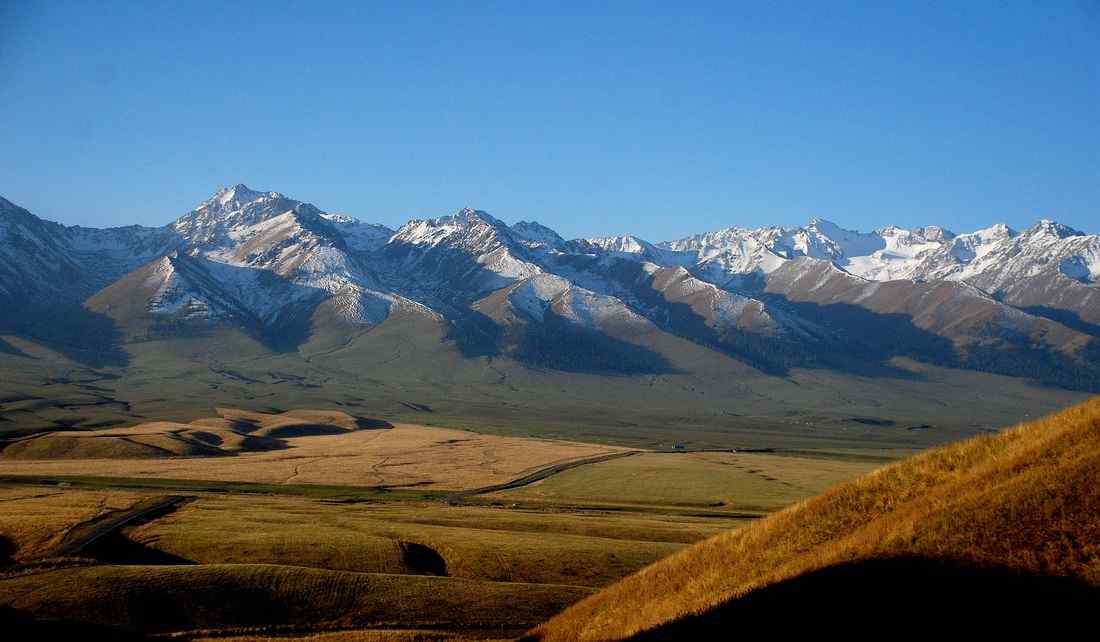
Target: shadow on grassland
column 20, row 625
column 86, row 337
column 1068, row 318
column 881, row 597
column 116, row 548
column 554, row 343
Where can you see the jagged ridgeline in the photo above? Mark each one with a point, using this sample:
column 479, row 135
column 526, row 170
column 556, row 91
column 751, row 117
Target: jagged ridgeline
column 1025, row 304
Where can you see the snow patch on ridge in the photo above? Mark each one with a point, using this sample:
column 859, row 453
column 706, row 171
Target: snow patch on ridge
column 534, row 295
column 591, row 310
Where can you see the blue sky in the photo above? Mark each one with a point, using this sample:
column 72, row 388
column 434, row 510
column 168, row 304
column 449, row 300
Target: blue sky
column 593, row 118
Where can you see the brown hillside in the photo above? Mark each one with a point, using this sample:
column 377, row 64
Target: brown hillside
column 1000, row 532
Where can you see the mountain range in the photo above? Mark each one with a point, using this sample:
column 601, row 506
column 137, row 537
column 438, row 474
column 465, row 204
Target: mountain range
column 774, row 299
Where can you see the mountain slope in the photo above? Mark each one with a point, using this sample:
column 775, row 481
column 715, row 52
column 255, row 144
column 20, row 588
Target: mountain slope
column 456, row 257
column 549, row 321
column 276, row 255
column 43, row 259
column 818, row 296
column 256, row 298
column 969, row 530
column 1048, row 270
column 948, row 322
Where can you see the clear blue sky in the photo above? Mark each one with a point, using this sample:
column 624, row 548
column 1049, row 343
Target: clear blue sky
column 593, row 118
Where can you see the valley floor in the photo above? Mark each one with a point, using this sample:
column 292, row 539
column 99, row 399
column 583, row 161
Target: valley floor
column 396, row 533
column 404, row 455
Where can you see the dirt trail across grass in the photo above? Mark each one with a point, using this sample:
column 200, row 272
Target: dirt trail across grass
column 85, row 534
column 539, row 475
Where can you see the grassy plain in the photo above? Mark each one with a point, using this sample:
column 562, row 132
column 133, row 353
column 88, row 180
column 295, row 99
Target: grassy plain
column 404, row 455
column 296, row 564
column 306, row 556
column 468, row 542
column 306, row 512
column 722, row 404
column 286, row 555
column 310, row 558
column 753, row 482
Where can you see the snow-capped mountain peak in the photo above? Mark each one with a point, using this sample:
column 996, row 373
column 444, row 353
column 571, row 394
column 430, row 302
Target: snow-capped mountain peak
column 468, row 213
column 535, row 235
column 936, row 233
column 890, row 253
column 359, row 236
column 469, row 251
column 1047, row 227
column 266, row 260
column 996, row 232
column 825, row 239
column 466, row 222
column 627, row 244
column 342, row 219
column 234, row 198
column 232, row 209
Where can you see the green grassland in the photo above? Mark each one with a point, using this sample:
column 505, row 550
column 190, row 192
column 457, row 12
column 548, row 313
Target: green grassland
column 477, row 543
column 742, row 482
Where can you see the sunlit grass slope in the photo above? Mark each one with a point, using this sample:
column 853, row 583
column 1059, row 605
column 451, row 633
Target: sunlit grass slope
column 988, row 529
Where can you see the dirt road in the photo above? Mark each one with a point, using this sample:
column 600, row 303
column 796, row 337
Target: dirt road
column 539, row 475
column 87, row 533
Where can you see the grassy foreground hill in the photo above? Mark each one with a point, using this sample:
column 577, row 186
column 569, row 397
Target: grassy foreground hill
column 997, row 533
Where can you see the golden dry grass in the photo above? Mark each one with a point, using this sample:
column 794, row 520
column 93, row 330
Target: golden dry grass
column 232, row 432
column 35, row 519
column 147, row 441
column 1027, row 499
column 405, row 455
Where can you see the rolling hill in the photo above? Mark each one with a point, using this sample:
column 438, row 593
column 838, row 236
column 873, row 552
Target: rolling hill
column 1000, row 533
column 232, row 432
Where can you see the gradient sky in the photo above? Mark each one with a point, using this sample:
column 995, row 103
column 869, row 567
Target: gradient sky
column 659, row 119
